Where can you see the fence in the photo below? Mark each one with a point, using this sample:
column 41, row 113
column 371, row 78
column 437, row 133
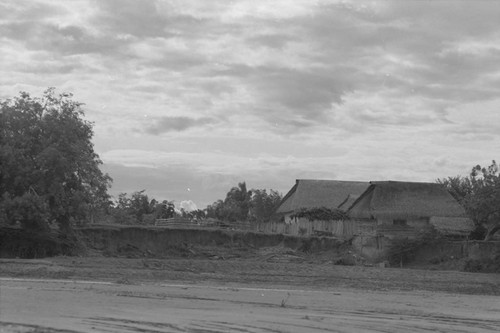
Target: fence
column 187, row 223
column 304, row 227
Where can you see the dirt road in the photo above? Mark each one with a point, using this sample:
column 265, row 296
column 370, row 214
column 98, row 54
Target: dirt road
column 266, row 294
column 55, row 306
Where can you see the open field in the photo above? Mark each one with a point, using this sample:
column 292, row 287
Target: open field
column 268, row 294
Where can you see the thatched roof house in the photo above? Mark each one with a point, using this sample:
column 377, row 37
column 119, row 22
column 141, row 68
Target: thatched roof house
column 408, row 204
column 309, row 193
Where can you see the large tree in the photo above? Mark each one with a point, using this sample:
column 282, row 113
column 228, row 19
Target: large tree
column 138, row 209
column 241, row 204
column 479, row 193
column 49, row 171
column 263, row 204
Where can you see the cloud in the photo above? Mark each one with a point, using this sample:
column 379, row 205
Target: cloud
column 177, row 124
column 188, row 205
column 272, row 40
column 224, row 91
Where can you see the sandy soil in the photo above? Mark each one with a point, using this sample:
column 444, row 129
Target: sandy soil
column 35, row 306
column 272, row 294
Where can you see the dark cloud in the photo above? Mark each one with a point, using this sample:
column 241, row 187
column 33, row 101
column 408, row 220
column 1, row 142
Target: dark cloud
column 176, row 124
column 419, row 35
column 296, row 96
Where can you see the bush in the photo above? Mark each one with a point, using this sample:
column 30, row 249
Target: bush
column 483, row 266
column 321, row 213
column 403, row 251
column 30, row 244
column 479, row 233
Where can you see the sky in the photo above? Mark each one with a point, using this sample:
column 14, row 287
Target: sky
column 191, row 97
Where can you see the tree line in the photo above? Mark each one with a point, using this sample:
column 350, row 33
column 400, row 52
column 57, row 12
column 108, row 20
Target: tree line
column 50, row 175
column 240, row 204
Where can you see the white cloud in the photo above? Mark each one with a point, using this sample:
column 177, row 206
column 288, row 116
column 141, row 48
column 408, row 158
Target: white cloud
column 188, row 205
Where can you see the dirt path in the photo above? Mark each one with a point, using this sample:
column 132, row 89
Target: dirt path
column 36, row 306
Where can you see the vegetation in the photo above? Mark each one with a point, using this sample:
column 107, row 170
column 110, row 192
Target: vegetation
column 479, row 193
column 321, row 213
column 49, row 172
column 404, row 250
column 241, row 204
column 139, row 209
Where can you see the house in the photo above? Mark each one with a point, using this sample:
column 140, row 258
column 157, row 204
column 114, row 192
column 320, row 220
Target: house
column 311, row 193
column 394, row 209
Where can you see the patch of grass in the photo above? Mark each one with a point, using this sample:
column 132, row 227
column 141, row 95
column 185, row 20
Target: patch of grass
column 283, row 301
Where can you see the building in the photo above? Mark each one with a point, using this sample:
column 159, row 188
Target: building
column 394, row 209
column 310, row 193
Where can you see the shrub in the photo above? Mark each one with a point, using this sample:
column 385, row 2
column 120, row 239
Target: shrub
column 403, row 251
column 321, row 213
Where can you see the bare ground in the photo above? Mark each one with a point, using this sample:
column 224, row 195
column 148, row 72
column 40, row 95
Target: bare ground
column 277, row 291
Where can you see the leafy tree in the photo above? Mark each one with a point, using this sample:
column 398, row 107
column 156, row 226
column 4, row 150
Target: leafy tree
column 241, row 204
column 164, row 209
column 49, row 171
column 216, row 210
column 263, row 204
column 479, row 193
column 235, row 206
column 237, row 203
column 138, row 209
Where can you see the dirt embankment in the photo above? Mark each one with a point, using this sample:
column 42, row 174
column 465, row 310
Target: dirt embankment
column 162, row 242
column 157, row 242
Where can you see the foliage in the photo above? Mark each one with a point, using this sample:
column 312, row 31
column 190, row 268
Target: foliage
column 235, row 207
column 49, row 170
column 138, row 209
column 479, row 194
column 263, row 204
column 489, row 265
column 241, row 204
column 321, row 213
column 404, row 250
column 15, row 242
column 194, row 214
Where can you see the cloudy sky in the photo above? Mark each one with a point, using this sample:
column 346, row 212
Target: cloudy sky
column 191, row 97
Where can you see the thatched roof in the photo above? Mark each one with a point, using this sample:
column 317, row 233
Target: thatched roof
column 391, row 199
column 459, row 226
column 309, row 193
column 348, row 202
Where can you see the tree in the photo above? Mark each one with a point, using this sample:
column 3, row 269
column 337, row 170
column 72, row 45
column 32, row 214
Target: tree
column 164, row 209
column 49, row 170
column 138, row 209
column 263, row 205
column 237, row 203
column 241, row 204
column 479, row 193
column 215, row 210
